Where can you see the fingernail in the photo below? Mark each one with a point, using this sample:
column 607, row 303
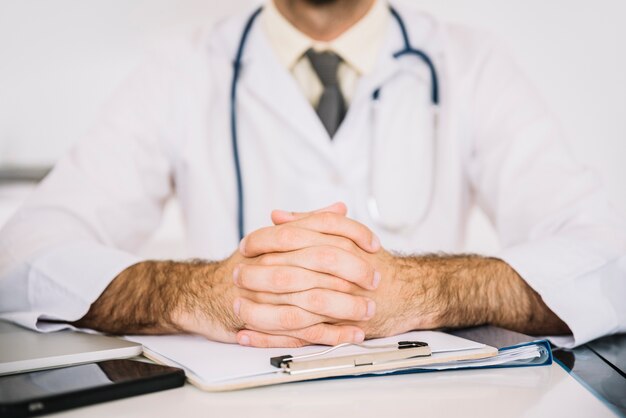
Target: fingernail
column 376, row 280
column 371, row 308
column 359, row 336
column 236, row 276
column 236, row 306
column 242, row 245
column 375, row 243
column 244, row 340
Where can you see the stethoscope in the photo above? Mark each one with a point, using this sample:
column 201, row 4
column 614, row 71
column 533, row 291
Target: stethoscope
column 372, row 203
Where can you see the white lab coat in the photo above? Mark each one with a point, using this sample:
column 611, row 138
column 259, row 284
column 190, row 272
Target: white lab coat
column 166, row 133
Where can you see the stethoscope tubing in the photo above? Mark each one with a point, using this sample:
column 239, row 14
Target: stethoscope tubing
column 233, row 120
column 237, row 64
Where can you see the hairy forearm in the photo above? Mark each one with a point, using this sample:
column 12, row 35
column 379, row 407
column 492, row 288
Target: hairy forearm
column 146, row 298
column 436, row 291
column 467, row 290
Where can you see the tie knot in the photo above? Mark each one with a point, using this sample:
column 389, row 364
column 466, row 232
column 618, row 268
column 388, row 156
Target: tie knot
column 325, row 65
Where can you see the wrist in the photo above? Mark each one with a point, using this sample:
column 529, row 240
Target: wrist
column 204, row 300
column 140, row 300
column 466, row 289
column 172, row 282
column 429, row 308
column 446, row 291
column 415, row 293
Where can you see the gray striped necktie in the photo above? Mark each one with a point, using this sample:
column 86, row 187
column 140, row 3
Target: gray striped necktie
column 331, row 108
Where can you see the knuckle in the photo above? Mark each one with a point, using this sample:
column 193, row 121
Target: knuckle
column 289, row 318
column 344, row 335
column 345, row 244
column 342, row 285
column 286, row 235
column 259, row 340
column 252, row 240
column 364, row 234
column 336, row 336
column 245, row 312
column 281, row 279
column 358, row 308
column 327, row 256
column 353, row 248
column 314, row 334
column 244, row 276
column 328, row 220
column 267, row 260
column 295, row 343
column 316, row 300
column 364, row 272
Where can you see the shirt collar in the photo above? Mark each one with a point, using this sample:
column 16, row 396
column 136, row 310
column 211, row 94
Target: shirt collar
column 290, row 44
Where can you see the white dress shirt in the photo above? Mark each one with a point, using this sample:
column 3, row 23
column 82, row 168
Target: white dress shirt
column 290, row 44
column 166, row 134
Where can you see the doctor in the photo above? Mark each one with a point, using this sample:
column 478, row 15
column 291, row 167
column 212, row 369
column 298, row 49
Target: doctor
column 409, row 121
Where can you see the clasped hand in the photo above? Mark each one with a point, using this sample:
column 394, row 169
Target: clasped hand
column 314, row 278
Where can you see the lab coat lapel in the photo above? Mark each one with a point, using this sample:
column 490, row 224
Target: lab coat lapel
column 268, row 81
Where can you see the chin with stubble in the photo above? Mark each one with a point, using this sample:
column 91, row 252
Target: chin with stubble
column 323, row 2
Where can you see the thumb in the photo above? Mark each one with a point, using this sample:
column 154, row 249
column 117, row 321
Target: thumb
column 282, row 216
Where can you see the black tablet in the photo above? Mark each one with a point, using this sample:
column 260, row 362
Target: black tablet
column 43, row 392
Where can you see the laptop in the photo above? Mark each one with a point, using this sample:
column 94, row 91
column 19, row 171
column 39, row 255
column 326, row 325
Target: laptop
column 24, row 350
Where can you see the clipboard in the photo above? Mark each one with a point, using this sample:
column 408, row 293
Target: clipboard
column 290, row 365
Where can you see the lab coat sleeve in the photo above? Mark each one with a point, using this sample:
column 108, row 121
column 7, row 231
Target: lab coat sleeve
column 81, row 226
column 551, row 212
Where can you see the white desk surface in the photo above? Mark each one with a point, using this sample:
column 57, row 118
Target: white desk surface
column 528, row 392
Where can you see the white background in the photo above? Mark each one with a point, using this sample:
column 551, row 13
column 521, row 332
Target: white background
column 59, row 59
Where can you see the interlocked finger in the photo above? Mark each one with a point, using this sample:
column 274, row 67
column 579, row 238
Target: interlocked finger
column 286, row 279
column 323, row 334
column 328, row 303
column 330, row 260
column 265, row 317
column 289, row 237
column 336, row 224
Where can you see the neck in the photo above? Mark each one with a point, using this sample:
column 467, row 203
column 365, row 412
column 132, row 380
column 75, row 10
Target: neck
column 323, row 20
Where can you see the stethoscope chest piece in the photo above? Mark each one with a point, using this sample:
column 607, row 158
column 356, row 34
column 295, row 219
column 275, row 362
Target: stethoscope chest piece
column 402, row 153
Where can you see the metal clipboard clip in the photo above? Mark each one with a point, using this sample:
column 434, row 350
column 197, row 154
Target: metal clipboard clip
column 307, row 363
